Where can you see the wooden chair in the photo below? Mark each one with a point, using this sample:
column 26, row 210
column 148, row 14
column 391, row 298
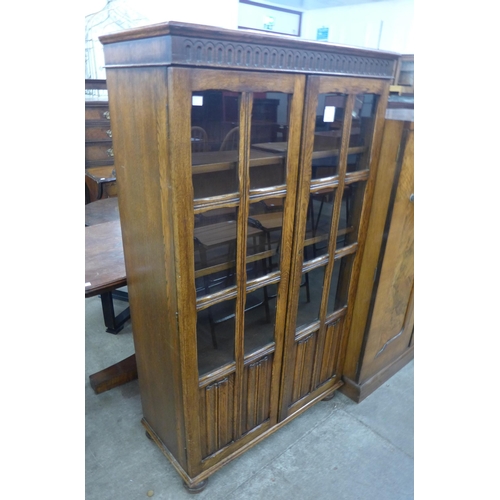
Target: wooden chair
column 199, row 140
column 217, row 270
column 269, row 223
column 231, row 141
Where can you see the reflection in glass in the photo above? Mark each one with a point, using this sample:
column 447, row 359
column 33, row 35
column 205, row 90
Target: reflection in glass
column 319, row 221
column 328, row 134
column 215, row 235
column 311, row 289
column 269, row 136
column 215, row 330
column 363, row 122
column 267, row 216
column 339, row 286
column 260, row 317
column 214, row 142
column 350, row 214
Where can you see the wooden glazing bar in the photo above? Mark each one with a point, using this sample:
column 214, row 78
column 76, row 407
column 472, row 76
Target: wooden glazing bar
column 318, row 185
column 342, row 252
column 335, row 316
column 361, row 175
column 202, row 205
column 215, row 298
column 223, row 371
column 246, row 103
column 269, row 279
column 265, row 193
column 230, row 264
column 303, row 332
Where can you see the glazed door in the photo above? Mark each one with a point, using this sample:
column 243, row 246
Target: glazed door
column 234, row 162
column 340, row 143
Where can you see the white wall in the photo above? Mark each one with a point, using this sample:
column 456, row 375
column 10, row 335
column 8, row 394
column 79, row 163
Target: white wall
column 221, row 13
column 378, row 25
column 386, row 25
column 132, row 13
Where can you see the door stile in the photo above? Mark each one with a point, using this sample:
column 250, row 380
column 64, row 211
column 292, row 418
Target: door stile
column 241, row 255
column 382, row 88
column 302, row 190
column 179, row 97
column 289, row 217
column 346, row 133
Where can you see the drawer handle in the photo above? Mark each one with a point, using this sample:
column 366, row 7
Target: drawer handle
column 110, row 134
column 106, row 115
column 412, row 197
column 110, row 152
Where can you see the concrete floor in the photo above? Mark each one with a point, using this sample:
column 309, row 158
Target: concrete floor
column 336, row 450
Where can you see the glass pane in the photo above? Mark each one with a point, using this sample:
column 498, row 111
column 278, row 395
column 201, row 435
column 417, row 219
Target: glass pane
column 269, row 136
column 215, row 331
column 339, row 286
column 267, row 217
column 215, row 250
column 350, row 213
column 215, row 246
column 214, row 142
column 319, row 221
column 260, row 317
column 363, row 122
column 311, row 289
column 328, row 134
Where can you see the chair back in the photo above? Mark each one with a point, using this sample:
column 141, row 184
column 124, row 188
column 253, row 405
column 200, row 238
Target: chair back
column 199, row 140
column 231, row 141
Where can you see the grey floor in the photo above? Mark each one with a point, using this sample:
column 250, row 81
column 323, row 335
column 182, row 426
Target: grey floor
column 336, row 450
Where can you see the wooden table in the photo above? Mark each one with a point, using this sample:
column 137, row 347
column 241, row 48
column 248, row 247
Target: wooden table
column 99, row 178
column 215, row 161
column 101, row 211
column 104, row 273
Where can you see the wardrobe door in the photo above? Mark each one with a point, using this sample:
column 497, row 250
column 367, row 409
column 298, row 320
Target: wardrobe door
column 340, row 144
column 235, row 140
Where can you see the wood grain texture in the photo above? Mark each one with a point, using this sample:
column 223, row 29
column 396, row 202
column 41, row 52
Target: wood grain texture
column 216, row 415
column 392, row 319
column 139, row 136
column 201, row 423
column 381, row 337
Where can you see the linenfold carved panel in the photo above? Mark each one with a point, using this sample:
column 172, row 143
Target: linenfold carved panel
column 216, row 415
column 256, row 393
column 261, row 57
column 303, row 372
column 330, row 351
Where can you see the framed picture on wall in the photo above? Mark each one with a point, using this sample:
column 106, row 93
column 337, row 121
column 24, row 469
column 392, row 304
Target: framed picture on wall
column 260, row 17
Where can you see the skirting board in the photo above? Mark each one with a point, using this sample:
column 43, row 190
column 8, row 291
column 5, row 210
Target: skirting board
column 358, row 392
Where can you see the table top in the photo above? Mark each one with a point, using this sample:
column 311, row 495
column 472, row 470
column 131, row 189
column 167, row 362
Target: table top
column 214, row 161
column 220, row 233
column 101, row 174
column 100, row 211
column 104, row 262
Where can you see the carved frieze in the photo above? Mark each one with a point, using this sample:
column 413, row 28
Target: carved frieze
column 229, row 55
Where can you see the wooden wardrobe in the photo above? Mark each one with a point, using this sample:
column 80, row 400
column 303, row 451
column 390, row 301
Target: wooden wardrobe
column 381, row 337
column 245, row 167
